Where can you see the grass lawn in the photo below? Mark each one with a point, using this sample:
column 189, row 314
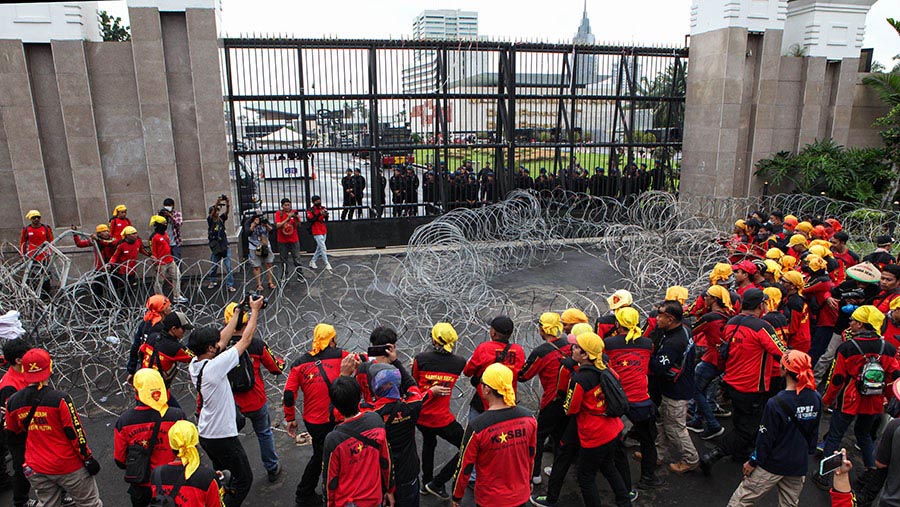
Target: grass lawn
column 532, row 158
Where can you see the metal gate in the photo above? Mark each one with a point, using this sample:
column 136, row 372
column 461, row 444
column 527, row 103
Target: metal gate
column 383, row 129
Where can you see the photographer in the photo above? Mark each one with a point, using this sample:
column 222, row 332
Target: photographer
column 216, row 410
column 174, row 221
column 218, row 242
column 260, row 251
column 287, row 221
column 316, row 215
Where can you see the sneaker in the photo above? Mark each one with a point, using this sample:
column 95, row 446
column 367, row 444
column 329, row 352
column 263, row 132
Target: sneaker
column 710, row 434
column 695, row 426
column 68, row 500
column 541, row 501
column 631, row 443
column 273, row 474
column 437, row 490
column 31, row 503
column 681, row 467
column 422, row 489
column 536, row 479
column 180, row 300
column 313, row 265
column 328, row 268
column 820, row 447
column 651, row 482
column 633, row 495
column 548, row 471
column 721, row 412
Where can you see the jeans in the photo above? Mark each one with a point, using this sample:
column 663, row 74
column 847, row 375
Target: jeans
column 840, row 422
column 285, row 250
column 228, row 454
column 821, row 336
column 80, row 485
column 140, row 495
column 602, row 459
column 551, row 422
column 226, row 264
column 321, row 251
column 310, row 479
column 407, row 495
column 263, row 428
column 453, row 434
column 747, row 411
column 176, row 251
column 704, row 374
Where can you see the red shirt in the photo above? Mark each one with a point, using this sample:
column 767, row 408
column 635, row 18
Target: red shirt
column 753, row 346
column 316, row 216
column 819, row 289
column 288, row 232
column 488, row 353
column 116, row 226
column 545, row 361
column 356, row 471
column 500, row 445
column 200, row 490
column 890, row 332
column 126, row 256
column 160, row 249
column 437, row 367
column 163, row 353
column 631, row 363
column 848, row 364
column 58, row 445
column 255, row 398
column 883, row 300
column 136, row 425
column 13, row 378
column 708, row 332
column 306, row 376
column 32, row 238
column 585, row 400
column 106, row 247
column 797, row 313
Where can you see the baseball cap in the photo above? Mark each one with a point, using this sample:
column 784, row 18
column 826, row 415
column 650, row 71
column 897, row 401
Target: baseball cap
column 36, row 365
column 745, row 266
column 753, row 298
column 177, row 319
column 883, row 240
column 502, row 324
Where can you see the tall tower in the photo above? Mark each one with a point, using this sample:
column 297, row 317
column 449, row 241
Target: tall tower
column 586, row 66
column 584, row 35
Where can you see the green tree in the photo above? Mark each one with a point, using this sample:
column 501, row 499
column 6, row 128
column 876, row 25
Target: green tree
column 670, row 83
column 887, row 85
column 111, row 28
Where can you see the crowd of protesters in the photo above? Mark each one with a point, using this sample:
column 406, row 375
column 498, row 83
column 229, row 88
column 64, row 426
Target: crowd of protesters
column 791, row 314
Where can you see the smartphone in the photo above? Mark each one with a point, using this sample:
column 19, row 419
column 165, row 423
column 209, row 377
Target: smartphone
column 831, row 463
column 377, row 351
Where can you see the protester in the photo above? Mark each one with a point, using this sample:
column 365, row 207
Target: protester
column 119, row 221
column 787, row 436
column 570, row 317
column 438, row 367
column 57, row 457
column 216, row 410
column 158, row 306
column 383, row 341
column 796, row 311
column 287, row 222
column 708, row 333
column 141, row 435
column 166, row 267
column 316, row 216
column 357, row 461
column 499, row 349
column 882, row 256
column 606, row 323
column 504, row 434
column 163, row 350
column 173, row 224
column 12, row 382
column 251, row 399
column 220, row 252
column 103, row 241
column 34, row 235
column 185, row 480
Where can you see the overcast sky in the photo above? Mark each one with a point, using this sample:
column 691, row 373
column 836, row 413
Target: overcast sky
column 630, row 21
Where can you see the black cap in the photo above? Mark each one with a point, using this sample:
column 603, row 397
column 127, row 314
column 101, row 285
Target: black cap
column 753, row 298
column 883, row 240
column 503, row 325
column 177, row 319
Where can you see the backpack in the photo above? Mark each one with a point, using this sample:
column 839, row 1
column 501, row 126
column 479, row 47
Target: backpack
column 162, row 499
column 613, row 394
column 242, row 377
column 871, row 378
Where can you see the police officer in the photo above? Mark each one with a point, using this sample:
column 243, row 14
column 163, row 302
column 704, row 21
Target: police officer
column 349, row 196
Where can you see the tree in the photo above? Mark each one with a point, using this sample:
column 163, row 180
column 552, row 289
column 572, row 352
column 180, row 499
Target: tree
column 670, row 83
column 887, row 85
column 111, row 28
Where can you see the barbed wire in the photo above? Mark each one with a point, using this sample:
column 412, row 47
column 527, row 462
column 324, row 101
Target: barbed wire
column 649, row 241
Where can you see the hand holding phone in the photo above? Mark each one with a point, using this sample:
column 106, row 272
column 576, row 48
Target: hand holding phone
column 831, row 463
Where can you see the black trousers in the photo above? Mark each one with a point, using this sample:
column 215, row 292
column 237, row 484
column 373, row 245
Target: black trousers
column 310, row 479
column 747, row 411
column 646, row 435
column 551, row 422
column 566, row 452
column 228, row 454
column 140, row 495
column 602, row 459
column 452, row 433
column 21, row 486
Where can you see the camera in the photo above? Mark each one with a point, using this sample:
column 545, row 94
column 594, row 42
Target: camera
column 856, row 293
column 245, row 303
column 223, row 197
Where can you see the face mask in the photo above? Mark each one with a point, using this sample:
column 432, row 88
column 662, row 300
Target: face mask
column 167, row 208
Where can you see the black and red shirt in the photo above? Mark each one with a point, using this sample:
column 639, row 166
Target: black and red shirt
column 796, row 312
column 631, row 363
column 353, row 470
column 780, row 324
column 753, row 346
column 545, row 362
column 437, row 367
column 817, row 291
column 125, row 256
column 890, row 331
column 106, row 247
column 400, row 418
column 363, row 378
column 306, row 376
column 136, row 426
column 163, row 352
column 56, row 443
column 587, row 402
column 708, row 332
column 846, row 259
column 883, row 300
column 486, row 354
column 606, row 325
column 32, row 239
column 848, row 364
column 500, row 444
column 262, row 356
column 201, row 489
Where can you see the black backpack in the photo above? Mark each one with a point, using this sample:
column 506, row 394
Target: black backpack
column 242, row 377
column 613, row 394
column 162, row 499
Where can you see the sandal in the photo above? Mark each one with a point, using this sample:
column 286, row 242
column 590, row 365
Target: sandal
column 272, row 285
column 232, row 289
column 212, row 285
column 259, row 288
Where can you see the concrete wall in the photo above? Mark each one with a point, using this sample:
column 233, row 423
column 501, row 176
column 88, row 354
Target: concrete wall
column 746, row 101
column 85, row 125
column 43, row 22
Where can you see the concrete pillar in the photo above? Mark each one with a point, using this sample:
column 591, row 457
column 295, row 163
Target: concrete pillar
column 815, row 102
column 843, row 100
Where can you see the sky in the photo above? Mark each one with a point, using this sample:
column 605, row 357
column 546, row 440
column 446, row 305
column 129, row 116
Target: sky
column 643, row 22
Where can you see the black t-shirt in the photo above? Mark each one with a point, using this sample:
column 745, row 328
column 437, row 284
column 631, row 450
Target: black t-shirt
column 216, row 229
column 400, row 426
column 888, row 453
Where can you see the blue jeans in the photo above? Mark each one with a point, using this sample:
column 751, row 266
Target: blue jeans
column 840, row 422
column 704, row 374
column 226, row 264
column 321, row 251
column 263, row 428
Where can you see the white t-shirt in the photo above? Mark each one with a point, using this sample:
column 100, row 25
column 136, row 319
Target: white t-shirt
column 218, row 416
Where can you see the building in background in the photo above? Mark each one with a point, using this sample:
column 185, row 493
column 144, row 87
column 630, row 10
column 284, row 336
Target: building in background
column 41, row 22
column 443, row 24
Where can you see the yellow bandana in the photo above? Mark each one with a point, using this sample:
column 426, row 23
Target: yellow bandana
column 151, row 390
column 499, row 378
column 444, row 335
column 183, row 439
